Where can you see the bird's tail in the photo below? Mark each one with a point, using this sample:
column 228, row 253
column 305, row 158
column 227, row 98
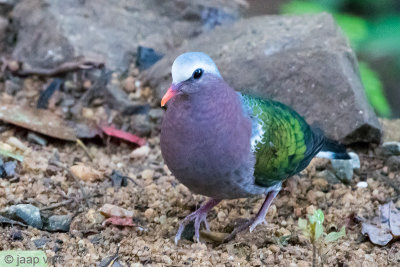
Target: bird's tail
column 332, row 149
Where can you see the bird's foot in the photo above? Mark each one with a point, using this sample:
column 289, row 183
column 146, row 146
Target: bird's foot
column 260, row 218
column 198, row 217
column 256, row 222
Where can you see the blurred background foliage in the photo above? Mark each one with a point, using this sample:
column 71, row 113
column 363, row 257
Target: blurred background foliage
column 373, row 29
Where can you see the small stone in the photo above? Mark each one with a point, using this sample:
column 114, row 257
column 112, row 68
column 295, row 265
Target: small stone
column 283, row 232
column 86, row 173
column 34, row 138
column 311, row 209
column 110, row 210
column 87, row 84
column 9, row 168
column 59, row 223
column 393, row 163
column 41, row 242
column 391, row 148
column 163, row 219
column 328, row 176
column 274, row 248
column 27, row 213
column 147, row 174
column 13, row 65
column 140, row 152
column 355, row 161
column 149, row 213
column 17, row 236
column 94, row 217
column 303, row 264
column 129, row 84
column 87, row 113
column 362, row 184
column 12, row 87
column 167, row 260
column 343, row 169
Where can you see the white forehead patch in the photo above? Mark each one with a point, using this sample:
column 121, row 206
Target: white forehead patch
column 187, row 63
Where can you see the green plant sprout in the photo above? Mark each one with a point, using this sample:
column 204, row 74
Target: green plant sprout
column 314, row 230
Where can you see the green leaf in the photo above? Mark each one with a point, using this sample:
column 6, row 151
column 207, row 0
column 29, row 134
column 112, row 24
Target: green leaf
column 301, row 7
column 331, row 237
column 317, row 217
column 384, row 37
column 7, row 154
column 374, row 90
column 355, row 28
column 319, row 229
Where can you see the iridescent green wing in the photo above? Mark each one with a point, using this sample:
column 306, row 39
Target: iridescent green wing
column 282, row 141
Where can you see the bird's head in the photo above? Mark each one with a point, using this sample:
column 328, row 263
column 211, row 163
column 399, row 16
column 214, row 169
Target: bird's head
column 190, row 72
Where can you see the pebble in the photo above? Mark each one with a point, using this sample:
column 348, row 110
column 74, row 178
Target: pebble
column 149, row 213
column 41, row 242
column 34, row 138
column 147, row 174
column 393, row 163
column 129, row 84
column 59, row 223
column 163, row 219
column 27, row 213
column 274, row 248
column 8, row 168
column 140, row 152
column 362, row 184
column 284, row 232
column 391, row 148
column 311, row 209
column 328, row 176
column 110, row 210
column 343, row 169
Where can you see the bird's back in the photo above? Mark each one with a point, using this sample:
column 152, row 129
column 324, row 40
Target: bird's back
column 282, row 141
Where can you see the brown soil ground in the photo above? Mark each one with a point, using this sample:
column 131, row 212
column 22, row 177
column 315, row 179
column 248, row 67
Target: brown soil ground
column 159, row 202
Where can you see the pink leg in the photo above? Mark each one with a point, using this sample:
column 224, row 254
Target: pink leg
column 198, row 216
column 260, row 218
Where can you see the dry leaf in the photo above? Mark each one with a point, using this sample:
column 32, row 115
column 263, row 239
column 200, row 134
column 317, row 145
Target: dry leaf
column 110, row 210
column 86, row 173
column 383, row 229
column 38, row 120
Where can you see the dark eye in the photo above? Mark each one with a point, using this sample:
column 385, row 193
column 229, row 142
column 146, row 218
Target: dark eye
column 197, row 74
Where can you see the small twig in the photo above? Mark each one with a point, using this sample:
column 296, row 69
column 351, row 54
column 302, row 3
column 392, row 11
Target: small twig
column 56, row 71
column 57, row 205
column 84, row 195
column 82, row 145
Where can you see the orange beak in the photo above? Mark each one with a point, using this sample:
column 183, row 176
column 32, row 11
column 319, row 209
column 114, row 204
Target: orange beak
column 168, row 95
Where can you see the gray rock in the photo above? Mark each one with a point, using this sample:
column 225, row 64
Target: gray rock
column 50, row 32
column 25, row 212
column 41, row 242
column 393, row 162
column 303, row 61
column 343, row 169
column 9, row 168
column 391, row 148
column 59, row 223
column 355, row 161
column 329, row 176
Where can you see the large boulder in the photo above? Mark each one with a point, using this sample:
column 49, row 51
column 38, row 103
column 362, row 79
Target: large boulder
column 51, row 32
column 303, row 61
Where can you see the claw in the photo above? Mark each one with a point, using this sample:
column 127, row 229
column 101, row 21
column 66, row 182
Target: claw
column 198, row 217
column 257, row 222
